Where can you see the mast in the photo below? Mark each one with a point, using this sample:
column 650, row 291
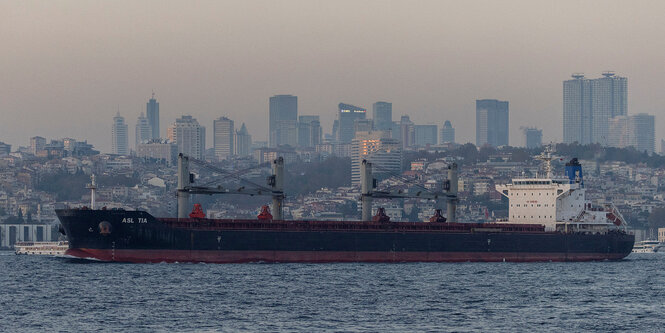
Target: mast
column 546, row 157
column 183, row 184
column 277, row 184
column 451, row 191
column 366, row 187
column 93, row 187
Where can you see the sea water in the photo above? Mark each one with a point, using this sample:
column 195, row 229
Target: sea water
column 48, row 294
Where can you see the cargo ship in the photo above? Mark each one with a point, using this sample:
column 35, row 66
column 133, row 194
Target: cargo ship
column 549, row 220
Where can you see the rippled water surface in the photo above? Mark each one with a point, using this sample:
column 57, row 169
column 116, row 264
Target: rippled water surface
column 57, row 294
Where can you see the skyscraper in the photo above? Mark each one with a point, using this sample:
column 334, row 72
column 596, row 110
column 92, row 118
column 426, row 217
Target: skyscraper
column 577, row 110
column 379, row 148
column 156, row 149
column 152, row 112
column 382, row 114
column 425, row 135
column 243, row 141
column 283, row 116
column 223, row 138
column 491, row 122
column 636, row 131
column 407, row 132
column 189, row 136
column 362, row 125
column 347, row 115
column 143, row 131
column 608, row 99
column 119, row 140
column 447, row 132
column 533, row 137
column 309, row 131
column 588, row 106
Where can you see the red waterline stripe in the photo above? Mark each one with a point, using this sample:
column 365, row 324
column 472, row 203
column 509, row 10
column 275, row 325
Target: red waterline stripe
column 154, row 256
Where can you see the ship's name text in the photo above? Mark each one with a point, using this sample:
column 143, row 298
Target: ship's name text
column 131, row 220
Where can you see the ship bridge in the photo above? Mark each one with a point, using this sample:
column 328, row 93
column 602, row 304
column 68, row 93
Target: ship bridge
column 543, row 201
column 557, row 203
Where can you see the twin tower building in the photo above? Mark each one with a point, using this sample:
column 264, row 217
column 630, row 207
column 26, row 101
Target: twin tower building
column 595, row 111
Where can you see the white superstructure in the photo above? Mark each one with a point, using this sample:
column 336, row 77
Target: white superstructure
column 557, row 203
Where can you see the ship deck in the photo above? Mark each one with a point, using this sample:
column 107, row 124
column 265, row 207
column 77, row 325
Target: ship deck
column 308, row 225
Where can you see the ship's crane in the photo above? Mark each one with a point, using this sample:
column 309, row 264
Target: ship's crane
column 367, row 185
column 185, row 187
column 276, row 188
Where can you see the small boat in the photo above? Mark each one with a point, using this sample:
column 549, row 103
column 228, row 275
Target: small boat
column 647, row 246
column 41, row 248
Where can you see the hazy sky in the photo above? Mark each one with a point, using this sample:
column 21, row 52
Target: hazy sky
column 66, row 66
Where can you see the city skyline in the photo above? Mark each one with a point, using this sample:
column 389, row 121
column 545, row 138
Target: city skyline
column 432, row 69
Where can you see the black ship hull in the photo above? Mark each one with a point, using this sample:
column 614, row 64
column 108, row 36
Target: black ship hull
column 135, row 236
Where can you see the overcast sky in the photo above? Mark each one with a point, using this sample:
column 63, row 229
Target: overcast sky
column 67, row 66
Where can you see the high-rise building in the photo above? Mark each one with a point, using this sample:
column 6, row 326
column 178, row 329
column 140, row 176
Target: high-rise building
column 608, row 100
column 223, row 138
column 396, row 131
column 577, row 110
column 157, row 149
column 119, row 138
column 447, row 132
column 347, row 115
column 243, row 141
column 283, row 117
column 491, row 122
column 189, row 136
column 382, row 114
column 425, row 135
column 170, row 133
column 620, row 133
column 69, row 144
column 380, row 149
column 143, row 131
column 152, row 112
column 309, row 131
column 362, row 125
column 588, row 106
column 37, row 144
column 5, row 148
column 407, row 132
column 533, row 137
column 636, row 131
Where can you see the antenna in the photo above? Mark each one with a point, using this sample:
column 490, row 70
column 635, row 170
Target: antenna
column 546, row 157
